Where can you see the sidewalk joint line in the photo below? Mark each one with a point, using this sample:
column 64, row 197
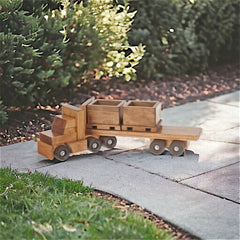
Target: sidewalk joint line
column 213, row 170
column 179, row 181
column 226, row 104
column 212, row 140
column 139, row 168
column 238, row 125
column 213, row 194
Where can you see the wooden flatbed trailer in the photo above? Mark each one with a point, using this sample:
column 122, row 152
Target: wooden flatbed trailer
column 97, row 123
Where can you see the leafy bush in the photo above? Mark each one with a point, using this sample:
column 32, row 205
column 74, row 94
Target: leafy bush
column 96, row 36
column 28, row 61
column 46, row 46
column 184, row 36
column 216, row 25
column 3, row 113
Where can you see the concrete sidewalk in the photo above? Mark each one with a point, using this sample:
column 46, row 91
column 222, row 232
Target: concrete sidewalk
column 198, row 192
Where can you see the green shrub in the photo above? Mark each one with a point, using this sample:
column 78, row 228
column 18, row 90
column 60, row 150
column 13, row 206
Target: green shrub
column 3, row 113
column 28, row 61
column 47, row 46
column 172, row 46
column 96, row 40
column 184, row 36
column 216, row 25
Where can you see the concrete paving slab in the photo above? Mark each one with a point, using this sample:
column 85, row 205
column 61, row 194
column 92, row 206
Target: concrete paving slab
column 220, row 122
column 228, row 99
column 22, row 156
column 190, row 114
column 223, row 182
column 208, row 115
column 229, row 135
column 194, row 162
column 200, row 213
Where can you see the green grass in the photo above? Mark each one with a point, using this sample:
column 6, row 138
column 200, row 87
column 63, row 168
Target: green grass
column 36, row 206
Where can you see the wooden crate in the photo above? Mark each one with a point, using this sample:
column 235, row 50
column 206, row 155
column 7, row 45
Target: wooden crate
column 141, row 113
column 105, row 112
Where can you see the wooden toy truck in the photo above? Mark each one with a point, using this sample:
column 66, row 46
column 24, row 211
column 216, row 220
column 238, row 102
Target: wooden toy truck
column 98, row 122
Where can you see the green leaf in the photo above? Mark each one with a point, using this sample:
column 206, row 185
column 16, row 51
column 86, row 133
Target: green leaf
column 164, row 41
column 18, row 69
column 27, row 71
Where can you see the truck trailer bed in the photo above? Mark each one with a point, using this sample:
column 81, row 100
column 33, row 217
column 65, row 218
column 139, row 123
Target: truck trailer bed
column 164, row 132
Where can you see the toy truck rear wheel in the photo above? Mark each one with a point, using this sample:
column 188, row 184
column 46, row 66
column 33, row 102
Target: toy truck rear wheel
column 108, row 142
column 157, row 146
column 94, row 144
column 62, row 152
column 177, row 148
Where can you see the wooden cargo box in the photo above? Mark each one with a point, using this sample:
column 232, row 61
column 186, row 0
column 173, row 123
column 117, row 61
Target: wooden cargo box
column 142, row 114
column 104, row 112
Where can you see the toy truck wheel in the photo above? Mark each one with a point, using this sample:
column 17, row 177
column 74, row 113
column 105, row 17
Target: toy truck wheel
column 61, row 153
column 157, row 146
column 177, row 148
column 94, row 144
column 108, row 142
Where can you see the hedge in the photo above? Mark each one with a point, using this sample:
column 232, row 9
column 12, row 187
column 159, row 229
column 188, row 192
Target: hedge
column 185, row 36
column 48, row 46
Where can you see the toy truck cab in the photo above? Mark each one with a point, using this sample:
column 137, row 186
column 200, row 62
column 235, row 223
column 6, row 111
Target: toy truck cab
column 67, row 134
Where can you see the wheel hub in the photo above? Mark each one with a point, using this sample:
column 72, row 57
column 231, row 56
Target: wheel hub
column 157, row 147
column 110, row 142
column 62, row 153
column 95, row 145
column 176, row 148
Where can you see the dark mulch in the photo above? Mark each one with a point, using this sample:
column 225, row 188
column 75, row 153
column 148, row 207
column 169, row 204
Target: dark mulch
column 171, row 91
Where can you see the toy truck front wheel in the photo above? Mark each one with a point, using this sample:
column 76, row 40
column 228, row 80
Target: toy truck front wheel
column 62, row 152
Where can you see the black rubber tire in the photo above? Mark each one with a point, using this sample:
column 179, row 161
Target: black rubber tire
column 177, row 148
column 61, row 153
column 108, row 142
column 94, row 144
column 157, row 146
